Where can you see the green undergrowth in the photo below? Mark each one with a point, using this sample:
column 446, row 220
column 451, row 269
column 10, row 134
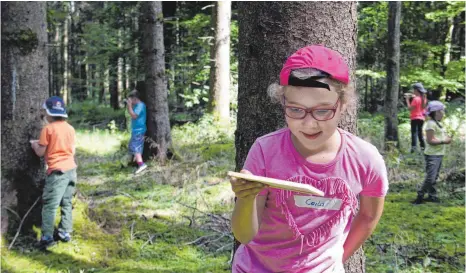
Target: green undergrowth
column 175, row 217
column 424, row 238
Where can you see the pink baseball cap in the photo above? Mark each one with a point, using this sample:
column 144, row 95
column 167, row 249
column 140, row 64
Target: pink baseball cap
column 318, row 57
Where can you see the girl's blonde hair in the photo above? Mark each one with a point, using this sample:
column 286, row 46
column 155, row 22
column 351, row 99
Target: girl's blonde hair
column 345, row 91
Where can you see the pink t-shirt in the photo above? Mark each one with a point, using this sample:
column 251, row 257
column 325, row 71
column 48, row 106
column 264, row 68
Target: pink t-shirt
column 418, row 111
column 304, row 233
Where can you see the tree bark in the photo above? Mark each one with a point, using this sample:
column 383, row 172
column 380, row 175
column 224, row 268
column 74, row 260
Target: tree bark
column 58, row 82
column 393, row 74
column 113, row 78
column 24, row 89
column 269, row 33
column 120, row 63
column 220, row 81
column 106, row 83
column 66, row 93
column 366, row 92
column 158, row 124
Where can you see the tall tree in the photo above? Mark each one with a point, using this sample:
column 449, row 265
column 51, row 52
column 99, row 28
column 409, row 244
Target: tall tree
column 66, row 92
column 393, row 73
column 281, row 28
column 113, row 77
column 220, row 62
column 158, row 123
column 24, row 89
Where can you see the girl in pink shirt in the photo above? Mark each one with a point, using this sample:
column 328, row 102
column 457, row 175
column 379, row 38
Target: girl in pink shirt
column 416, row 107
column 284, row 231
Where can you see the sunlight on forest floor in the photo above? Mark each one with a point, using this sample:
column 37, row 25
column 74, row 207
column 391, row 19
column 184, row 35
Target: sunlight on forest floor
column 175, row 218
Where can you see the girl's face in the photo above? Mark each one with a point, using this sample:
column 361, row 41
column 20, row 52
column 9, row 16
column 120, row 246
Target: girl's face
column 439, row 115
column 317, row 127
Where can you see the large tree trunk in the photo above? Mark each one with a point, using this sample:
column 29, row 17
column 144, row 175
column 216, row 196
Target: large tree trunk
column 269, row 33
column 66, row 93
column 120, row 63
column 158, row 123
column 220, row 62
column 58, row 81
column 393, row 74
column 24, row 89
column 113, row 87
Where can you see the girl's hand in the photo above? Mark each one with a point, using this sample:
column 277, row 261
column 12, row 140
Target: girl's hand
column 34, row 144
column 244, row 189
column 447, row 140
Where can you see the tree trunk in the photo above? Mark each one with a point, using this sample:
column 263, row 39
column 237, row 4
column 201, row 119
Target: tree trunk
column 106, row 83
column 89, row 80
column 83, row 86
column 120, row 63
column 94, row 80
column 135, row 59
column 366, row 92
column 113, row 75
column 66, row 93
column 220, row 81
column 24, row 89
column 158, row 124
column 269, row 33
column 393, row 74
column 458, row 37
column 58, row 62
column 213, row 25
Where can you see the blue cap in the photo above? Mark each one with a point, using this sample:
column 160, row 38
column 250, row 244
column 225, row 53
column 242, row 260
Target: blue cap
column 55, row 107
column 434, row 106
column 419, row 87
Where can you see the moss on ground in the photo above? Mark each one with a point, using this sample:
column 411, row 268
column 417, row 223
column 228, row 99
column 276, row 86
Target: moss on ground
column 145, row 223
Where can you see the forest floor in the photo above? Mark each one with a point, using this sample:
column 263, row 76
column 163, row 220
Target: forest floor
column 175, row 218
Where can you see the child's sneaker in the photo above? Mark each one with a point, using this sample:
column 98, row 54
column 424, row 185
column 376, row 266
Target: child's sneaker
column 419, row 200
column 433, row 199
column 140, row 169
column 46, row 242
column 64, row 236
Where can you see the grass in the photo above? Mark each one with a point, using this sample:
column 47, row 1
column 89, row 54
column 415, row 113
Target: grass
column 157, row 221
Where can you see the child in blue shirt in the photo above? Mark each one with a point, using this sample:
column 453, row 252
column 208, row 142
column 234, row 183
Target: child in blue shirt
column 137, row 111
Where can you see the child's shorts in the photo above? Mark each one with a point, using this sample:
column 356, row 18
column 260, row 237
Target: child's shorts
column 136, row 144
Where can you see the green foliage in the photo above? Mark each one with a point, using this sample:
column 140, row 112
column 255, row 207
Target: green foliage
column 453, row 9
column 191, row 58
column 89, row 114
column 455, row 71
column 372, row 34
column 422, row 54
column 205, row 131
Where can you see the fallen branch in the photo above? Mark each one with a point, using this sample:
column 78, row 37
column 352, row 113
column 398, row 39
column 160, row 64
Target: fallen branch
column 218, row 226
column 132, row 228
column 206, row 213
column 151, row 237
column 221, row 248
column 21, row 223
column 14, row 212
column 200, row 238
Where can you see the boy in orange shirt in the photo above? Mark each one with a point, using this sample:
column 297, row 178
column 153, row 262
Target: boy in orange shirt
column 57, row 144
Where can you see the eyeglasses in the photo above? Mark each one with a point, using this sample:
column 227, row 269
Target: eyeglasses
column 320, row 114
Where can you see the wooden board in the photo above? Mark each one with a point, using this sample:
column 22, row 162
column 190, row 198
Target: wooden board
column 279, row 184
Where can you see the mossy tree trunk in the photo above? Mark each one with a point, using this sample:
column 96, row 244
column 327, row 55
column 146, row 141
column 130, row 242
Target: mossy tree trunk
column 158, row 123
column 24, row 88
column 268, row 33
column 393, row 74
